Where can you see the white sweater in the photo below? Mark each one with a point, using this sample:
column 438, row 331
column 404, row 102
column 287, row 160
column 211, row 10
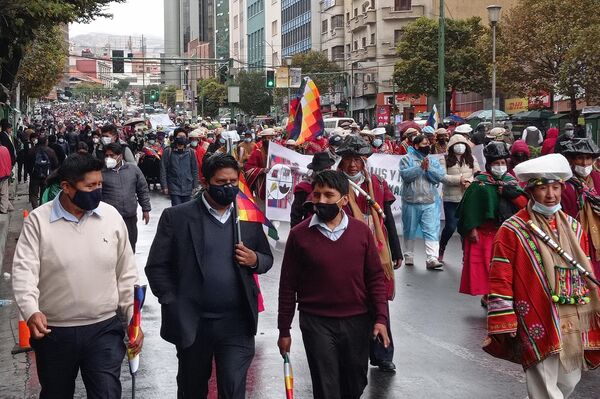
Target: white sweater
column 75, row 273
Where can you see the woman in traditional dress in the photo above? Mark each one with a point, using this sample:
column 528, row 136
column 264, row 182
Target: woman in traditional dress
column 492, row 198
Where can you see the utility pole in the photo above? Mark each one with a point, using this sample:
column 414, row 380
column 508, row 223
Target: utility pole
column 442, row 62
column 144, row 77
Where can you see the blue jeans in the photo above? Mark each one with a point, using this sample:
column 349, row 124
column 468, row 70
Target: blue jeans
column 179, row 199
column 450, row 225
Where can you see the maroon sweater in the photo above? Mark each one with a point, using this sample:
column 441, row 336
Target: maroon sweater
column 338, row 279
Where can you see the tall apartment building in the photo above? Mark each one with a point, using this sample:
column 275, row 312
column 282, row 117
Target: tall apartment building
column 194, row 29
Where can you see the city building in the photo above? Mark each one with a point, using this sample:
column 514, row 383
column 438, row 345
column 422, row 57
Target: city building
column 97, row 69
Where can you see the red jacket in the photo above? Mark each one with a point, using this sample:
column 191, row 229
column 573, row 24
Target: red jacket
column 519, row 301
column 5, row 163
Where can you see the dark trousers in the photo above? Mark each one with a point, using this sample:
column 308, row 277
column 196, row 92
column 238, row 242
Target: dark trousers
column 180, row 199
column 230, row 342
column 379, row 353
column 338, row 354
column 21, row 170
column 132, row 230
column 450, row 223
column 97, row 350
column 36, row 189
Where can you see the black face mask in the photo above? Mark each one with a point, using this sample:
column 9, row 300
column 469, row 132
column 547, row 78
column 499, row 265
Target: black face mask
column 223, row 195
column 87, row 200
column 424, row 150
column 442, row 141
column 180, row 140
column 327, row 212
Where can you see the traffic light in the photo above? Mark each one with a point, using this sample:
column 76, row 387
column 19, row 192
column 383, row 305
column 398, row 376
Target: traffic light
column 270, row 79
column 153, row 95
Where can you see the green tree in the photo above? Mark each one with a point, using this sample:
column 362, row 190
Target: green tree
column 255, row 98
column 85, row 91
column 43, row 63
column 122, row 85
column 467, row 57
column 23, row 19
column 325, row 73
column 168, row 95
column 147, row 93
column 548, row 46
column 212, row 95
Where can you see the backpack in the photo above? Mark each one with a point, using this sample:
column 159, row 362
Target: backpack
column 41, row 166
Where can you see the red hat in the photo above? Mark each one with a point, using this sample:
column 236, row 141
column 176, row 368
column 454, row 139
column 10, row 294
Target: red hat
column 520, row 146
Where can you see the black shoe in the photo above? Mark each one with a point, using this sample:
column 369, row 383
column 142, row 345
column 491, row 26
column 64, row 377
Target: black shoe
column 388, row 367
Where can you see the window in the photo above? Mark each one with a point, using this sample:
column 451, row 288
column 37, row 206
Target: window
column 372, row 38
column 236, row 49
column 402, row 5
column 364, row 42
column 324, row 26
column 347, row 48
column 356, row 45
column 398, row 36
column 348, row 17
column 364, row 8
column 235, row 22
column 275, row 59
column 274, row 28
column 337, row 53
column 337, row 21
column 355, row 12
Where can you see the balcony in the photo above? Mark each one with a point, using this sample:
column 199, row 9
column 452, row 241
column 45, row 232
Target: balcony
column 363, row 20
column 364, row 53
column 388, row 13
column 388, row 50
column 369, row 88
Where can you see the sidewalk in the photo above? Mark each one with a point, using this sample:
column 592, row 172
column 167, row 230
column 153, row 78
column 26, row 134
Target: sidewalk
column 21, row 364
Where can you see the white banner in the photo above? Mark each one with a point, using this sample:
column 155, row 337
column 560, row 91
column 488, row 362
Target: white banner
column 287, row 168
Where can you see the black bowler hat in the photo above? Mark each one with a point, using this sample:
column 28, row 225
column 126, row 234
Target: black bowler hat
column 321, row 161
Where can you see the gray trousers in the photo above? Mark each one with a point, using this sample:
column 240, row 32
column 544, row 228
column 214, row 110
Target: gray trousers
column 5, row 205
column 548, row 380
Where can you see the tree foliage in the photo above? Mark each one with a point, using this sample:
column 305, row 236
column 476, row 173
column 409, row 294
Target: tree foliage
column 549, row 46
column 466, row 54
column 85, row 91
column 168, row 95
column 322, row 71
column 212, row 95
column 43, row 63
column 255, row 98
column 122, row 85
column 21, row 20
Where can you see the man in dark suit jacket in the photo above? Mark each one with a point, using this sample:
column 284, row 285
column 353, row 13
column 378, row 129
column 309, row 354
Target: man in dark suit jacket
column 204, row 279
column 6, row 139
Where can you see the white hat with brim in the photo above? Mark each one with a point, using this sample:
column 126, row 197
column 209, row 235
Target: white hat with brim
column 547, row 169
column 267, row 132
column 463, row 129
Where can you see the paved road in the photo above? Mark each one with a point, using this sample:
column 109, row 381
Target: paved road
column 437, row 333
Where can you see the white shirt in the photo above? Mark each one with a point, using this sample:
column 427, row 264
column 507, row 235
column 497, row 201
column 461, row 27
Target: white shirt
column 216, row 214
column 333, row 234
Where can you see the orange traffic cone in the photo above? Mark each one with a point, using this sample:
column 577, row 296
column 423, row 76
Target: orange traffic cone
column 23, row 345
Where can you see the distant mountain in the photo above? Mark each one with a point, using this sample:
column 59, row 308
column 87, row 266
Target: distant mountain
column 99, row 42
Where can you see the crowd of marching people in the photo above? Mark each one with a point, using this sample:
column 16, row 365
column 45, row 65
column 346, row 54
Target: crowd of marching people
column 508, row 199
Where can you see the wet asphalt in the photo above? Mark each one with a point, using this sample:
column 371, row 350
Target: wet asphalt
column 437, row 333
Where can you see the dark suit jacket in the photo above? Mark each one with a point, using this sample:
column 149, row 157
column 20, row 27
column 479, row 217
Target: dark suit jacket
column 7, row 142
column 175, row 263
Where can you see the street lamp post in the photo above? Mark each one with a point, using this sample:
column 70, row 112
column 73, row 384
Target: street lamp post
column 288, row 63
column 494, row 16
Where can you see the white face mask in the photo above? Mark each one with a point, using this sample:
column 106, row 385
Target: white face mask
column 583, row 171
column 110, row 162
column 460, row 149
column 96, row 140
column 106, row 140
column 34, row 141
column 499, row 171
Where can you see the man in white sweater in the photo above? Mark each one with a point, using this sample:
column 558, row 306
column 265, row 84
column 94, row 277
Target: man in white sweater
column 73, row 272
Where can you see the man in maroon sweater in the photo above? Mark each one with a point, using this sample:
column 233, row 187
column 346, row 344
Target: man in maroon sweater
column 331, row 265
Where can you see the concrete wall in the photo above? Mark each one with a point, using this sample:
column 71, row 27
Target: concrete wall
column 461, row 9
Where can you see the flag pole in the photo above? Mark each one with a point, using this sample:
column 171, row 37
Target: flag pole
column 237, row 221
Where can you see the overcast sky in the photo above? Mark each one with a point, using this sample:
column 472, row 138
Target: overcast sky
column 134, row 17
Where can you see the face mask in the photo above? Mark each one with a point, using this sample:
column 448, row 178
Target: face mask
column 96, row 140
column 583, row 171
column 89, row 134
column 248, row 140
column 442, row 141
column 356, row 178
column 61, row 140
column 110, row 162
column 460, row 149
column 327, row 212
column 210, row 139
column 224, row 194
column 87, row 200
column 424, row 150
column 569, row 133
column 277, row 137
column 106, row 140
column 377, row 143
column 546, row 210
column 34, row 141
column 180, row 140
column 152, row 141
column 499, row 171
column 194, row 144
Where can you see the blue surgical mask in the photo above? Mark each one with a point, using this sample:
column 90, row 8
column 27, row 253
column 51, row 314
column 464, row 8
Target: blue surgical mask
column 377, row 143
column 546, row 210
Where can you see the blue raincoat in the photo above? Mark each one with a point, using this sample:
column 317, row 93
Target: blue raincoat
column 421, row 201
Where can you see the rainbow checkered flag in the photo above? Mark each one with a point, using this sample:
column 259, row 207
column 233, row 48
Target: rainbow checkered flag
column 288, row 376
column 307, row 117
column 248, row 211
column 139, row 296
